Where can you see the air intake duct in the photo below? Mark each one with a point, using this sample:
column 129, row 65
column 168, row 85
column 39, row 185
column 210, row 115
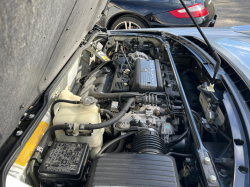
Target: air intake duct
column 148, row 141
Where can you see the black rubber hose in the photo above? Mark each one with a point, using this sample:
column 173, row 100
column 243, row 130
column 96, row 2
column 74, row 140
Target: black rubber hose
column 113, row 95
column 111, row 121
column 48, row 133
column 179, row 139
column 61, row 101
column 120, row 146
column 105, row 111
column 112, row 147
column 115, row 140
column 32, row 173
column 179, row 154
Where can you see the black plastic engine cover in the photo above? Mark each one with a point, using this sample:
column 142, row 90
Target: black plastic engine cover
column 130, row 170
column 147, row 76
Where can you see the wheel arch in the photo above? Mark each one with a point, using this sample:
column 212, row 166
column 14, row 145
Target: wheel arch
column 119, row 14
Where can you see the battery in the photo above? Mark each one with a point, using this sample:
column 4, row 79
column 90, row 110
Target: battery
column 64, row 164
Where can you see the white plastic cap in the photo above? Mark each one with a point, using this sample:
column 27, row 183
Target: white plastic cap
column 212, row 179
column 207, row 160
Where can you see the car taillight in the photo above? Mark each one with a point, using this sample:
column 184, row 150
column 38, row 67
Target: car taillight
column 197, row 10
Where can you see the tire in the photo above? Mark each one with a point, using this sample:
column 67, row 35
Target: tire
column 132, row 22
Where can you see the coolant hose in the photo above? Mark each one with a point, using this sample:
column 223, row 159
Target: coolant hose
column 48, row 133
column 113, row 95
column 179, row 139
column 111, row 121
column 61, row 101
column 115, row 140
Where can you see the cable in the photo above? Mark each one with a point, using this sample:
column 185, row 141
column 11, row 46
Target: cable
column 179, row 139
column 92, row 72
column 61, row 101
column 126, row 59
column 199, row 121
column 115, row 140
column 109, row 122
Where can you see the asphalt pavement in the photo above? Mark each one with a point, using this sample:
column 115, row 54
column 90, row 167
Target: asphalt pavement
column 232, row 12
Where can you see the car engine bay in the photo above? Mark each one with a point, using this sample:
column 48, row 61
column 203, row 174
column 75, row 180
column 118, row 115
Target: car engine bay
column 126, row 121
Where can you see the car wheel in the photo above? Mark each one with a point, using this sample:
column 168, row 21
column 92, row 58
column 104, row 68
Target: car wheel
column 129, row 22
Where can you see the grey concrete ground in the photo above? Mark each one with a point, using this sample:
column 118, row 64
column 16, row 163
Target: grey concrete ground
column 232, row 12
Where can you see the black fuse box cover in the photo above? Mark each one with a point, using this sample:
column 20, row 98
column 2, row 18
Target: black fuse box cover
column 64, row 160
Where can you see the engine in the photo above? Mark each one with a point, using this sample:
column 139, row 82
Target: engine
column 124, row 121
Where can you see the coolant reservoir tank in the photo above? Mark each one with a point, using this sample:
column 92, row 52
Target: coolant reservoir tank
column 86, row 113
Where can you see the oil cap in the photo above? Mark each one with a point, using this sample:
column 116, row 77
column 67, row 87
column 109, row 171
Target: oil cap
column 87, row 101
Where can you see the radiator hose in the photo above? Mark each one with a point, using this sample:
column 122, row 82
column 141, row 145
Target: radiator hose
column 109, row 122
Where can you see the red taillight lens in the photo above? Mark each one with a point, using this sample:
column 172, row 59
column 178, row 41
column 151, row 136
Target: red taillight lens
column 197, row 10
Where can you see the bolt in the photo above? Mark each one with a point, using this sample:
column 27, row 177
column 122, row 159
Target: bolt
column 31, row 116
column 223, row 173
column 212, row 179
column 207, row 160
column 19, row 133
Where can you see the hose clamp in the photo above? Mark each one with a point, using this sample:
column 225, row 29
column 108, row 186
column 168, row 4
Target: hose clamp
column 39, row 149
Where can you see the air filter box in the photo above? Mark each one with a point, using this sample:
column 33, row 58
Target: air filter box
column 64, row 164
column 133, row 170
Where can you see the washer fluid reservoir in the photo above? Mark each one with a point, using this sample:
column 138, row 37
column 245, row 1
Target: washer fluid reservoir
column 86, row 113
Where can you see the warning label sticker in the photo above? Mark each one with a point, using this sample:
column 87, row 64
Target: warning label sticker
column 28, row 149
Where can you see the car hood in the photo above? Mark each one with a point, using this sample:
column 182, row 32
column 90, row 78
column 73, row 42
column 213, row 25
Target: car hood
column 37, row 39
column 233, row 43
